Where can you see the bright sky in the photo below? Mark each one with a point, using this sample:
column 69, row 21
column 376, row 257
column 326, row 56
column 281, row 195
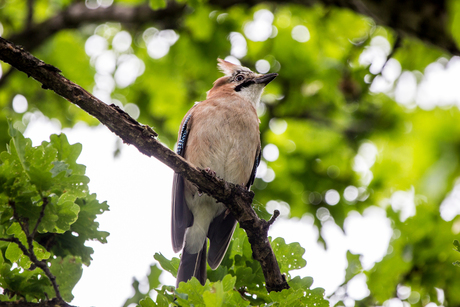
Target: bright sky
column 138, row 191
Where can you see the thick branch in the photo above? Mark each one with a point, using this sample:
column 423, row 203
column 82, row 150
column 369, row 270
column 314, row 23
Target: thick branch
column 237, row 198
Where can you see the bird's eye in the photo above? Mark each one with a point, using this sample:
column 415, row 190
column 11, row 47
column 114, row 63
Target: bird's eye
column 239, row 78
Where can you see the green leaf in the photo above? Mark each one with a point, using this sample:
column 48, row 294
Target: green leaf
column 147, row 302
column 354, row 266
column 191, row 292
column 457, row 245
column 60, row 166
column 170, row 266
column 289, row 256
column 68, row 272
column 154, row 277
column 13, row 252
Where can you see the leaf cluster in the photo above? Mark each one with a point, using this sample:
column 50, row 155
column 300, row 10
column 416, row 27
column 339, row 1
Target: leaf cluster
column 46, row 216
column 238, row 281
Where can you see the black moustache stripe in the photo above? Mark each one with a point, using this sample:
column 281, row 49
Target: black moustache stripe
column 243, row 85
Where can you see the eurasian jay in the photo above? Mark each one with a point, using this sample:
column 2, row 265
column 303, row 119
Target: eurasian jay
column 220, row 134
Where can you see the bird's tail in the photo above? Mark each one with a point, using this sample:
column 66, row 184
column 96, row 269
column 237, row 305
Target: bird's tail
column 192, row 265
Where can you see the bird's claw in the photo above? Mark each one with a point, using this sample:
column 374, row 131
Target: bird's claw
column 210, row 172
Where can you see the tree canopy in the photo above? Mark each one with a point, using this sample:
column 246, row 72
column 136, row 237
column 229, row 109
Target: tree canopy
column 364, row 113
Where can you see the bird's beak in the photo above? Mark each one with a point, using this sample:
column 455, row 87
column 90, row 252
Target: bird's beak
column 265, row 79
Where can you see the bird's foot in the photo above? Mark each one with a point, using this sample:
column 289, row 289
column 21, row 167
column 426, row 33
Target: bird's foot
column 210, row 172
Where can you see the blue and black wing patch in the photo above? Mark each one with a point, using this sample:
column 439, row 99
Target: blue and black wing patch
column 183, row 137
column 182, row 217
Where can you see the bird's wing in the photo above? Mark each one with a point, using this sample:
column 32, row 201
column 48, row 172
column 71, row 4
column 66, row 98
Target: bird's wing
column 181, row 215
column 221, row 229
column 254, row 168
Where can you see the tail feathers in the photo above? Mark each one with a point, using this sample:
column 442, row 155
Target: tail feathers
column 192, row 265
column 219, row 234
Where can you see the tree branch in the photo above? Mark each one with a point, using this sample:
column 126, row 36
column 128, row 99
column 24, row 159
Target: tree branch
column 43, row 265
column 235, row 197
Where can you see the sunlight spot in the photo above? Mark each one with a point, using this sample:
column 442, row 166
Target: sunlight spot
column 122, row 41
column 394, row 302
column 232, row 59
column 269, row 175
column 239, row 45
column 261, row 169
column 332, row 197
column 106, row 62
column 104, row 82
column 20, row 104
column 375, row 54
column 281, row 206
column 271, row 152
column 404, row 202
column 133, row 110
column 157, row 48
column 159, row 42
column 406, row 88
column 392, row 70
column 403, row 292
column 350, row 193
column 128, row 70
column 277, row 125
column 301, row 34
column 323, row 214
column 450, row 205
column 92, row 4
column 95, row 45
column 262, row 66
column 357, row 287
column 364, row 160
column 260, row 29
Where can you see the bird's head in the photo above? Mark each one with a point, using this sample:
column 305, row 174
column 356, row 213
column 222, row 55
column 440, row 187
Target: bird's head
column 241, row 81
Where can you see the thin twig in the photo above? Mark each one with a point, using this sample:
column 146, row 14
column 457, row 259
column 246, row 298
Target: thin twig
column 42, row 214
column 396, row 46
column 276, row 213
column 30, row 251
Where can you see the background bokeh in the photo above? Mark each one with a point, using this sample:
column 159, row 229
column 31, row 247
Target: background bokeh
column 360, row 133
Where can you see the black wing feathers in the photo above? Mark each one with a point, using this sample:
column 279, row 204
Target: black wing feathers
column 254, row 169
column 182, row 218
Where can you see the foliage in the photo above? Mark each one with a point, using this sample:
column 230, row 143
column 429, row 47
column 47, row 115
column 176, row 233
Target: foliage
column 457, row 248
column 238, row 281
column 335, row 115
column 46, row 214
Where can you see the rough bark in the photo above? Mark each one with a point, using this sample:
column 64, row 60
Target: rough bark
column 236, row 197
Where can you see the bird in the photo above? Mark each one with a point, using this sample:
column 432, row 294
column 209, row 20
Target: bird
column 221, row 135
